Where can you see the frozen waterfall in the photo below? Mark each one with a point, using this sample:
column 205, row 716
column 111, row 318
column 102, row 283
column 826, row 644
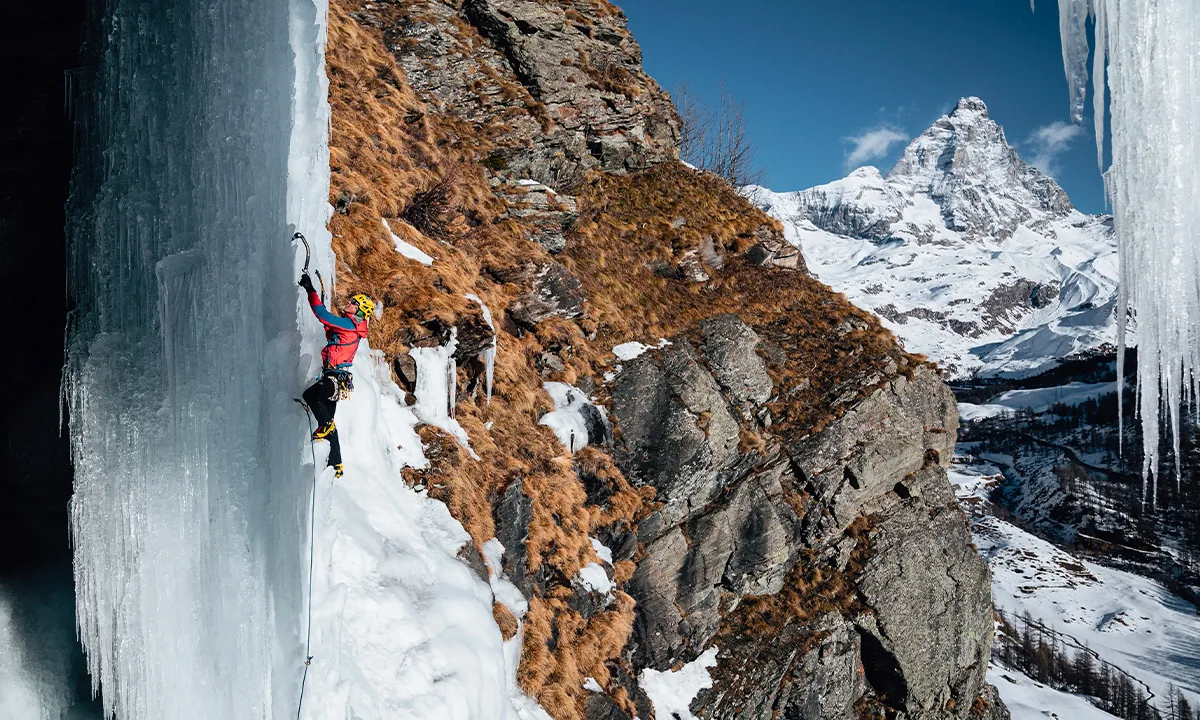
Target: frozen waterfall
column 202, row 137
column 1151, row 48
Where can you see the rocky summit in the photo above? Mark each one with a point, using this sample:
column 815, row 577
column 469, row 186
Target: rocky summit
column 969, row 254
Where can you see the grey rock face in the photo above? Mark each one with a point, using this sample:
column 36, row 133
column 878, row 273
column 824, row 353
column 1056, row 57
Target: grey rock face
column 730, row 528
column 575, row 65
column 512, row 514
column 677, row 431
column 808, row 672
column 553, row 291
column 729, row 348
column 547, row 212
column 938, row 657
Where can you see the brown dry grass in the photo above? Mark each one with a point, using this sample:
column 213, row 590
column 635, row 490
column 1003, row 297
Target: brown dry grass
column 628, row 243
column 425, row 170
column 393, row 157
column 505, row 620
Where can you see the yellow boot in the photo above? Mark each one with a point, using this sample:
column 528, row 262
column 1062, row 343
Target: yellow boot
column 338, row 470
column 323, row 431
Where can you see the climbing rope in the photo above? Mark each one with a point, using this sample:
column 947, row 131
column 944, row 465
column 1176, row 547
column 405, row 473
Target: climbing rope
column 312, row 541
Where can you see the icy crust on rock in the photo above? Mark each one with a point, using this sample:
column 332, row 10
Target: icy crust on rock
column 204, row 146
column 402, row 627
column 968, row 254
column 1150, row 50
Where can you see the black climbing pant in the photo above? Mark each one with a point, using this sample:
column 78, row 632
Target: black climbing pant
column 322, row 397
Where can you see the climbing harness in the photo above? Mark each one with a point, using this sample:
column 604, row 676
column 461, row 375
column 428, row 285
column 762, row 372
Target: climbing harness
column 312, row 541
column 343, row 382
column 307, row 257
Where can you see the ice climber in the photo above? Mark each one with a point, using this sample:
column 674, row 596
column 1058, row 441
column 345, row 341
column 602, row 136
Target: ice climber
column 342, row 337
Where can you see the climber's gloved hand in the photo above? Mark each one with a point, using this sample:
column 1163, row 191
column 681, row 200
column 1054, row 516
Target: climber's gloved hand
column 306, row 282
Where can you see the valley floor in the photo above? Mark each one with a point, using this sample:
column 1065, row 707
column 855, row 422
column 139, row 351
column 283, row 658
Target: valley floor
column 1130, row 621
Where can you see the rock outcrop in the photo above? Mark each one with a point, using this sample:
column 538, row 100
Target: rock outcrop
column 773, row 485
column 559, row 86
column 866, row 500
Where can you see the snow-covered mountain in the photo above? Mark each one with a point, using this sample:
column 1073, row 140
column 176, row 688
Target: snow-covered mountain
column 970, row 255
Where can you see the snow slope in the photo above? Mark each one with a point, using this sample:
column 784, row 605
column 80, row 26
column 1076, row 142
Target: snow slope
column 1130, row 621
column 402, row 628
column 968, row 254
column 1030, row 700
column 1039, row 400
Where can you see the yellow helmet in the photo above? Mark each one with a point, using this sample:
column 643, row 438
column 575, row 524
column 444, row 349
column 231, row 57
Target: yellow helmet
column 366, row 306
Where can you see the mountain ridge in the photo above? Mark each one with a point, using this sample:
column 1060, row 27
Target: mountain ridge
column 970, row 255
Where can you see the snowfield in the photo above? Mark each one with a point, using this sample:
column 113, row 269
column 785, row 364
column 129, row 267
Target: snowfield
column 1131, row 621
column 1039, row 400
column 1030, row 700
column 402, row 628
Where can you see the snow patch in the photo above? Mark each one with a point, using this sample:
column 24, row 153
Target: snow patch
column 630, row 350
column 406, row 249
column 602, row 551
column 576, row 422
column 672, row 692
column 593, row 577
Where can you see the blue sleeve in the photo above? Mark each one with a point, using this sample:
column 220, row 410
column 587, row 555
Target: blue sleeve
column 326, row 317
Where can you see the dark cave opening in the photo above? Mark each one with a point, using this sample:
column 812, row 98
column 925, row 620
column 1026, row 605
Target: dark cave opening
column 36, row 142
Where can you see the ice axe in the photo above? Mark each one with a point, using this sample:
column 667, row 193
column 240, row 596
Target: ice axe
column 307, row 257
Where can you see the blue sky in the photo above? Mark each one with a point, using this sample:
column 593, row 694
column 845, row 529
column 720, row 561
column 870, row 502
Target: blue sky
column 814, row 74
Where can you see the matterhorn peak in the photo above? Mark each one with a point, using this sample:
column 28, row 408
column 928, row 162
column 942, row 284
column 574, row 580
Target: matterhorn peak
column 964, row 163
column 968, row 105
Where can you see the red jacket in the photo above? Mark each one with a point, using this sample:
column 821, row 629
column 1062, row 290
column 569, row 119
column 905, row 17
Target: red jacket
column 341, row 334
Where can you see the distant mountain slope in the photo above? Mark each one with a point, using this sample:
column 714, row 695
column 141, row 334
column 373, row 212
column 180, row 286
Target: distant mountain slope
column 970, row 256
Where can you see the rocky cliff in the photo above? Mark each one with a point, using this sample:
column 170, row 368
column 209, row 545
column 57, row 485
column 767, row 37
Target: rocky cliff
column 758, row 469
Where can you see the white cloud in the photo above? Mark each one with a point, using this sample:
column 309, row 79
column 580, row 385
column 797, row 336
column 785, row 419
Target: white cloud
column 1050, row 141
column 872, row 144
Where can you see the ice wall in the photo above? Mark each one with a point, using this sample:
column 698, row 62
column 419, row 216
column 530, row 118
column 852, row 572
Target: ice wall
column 1151, row 48
column 203, row 140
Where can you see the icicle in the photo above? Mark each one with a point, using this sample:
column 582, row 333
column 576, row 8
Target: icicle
column 436, row 388
column 489, row 354
column 1099, row 80
column 1072, row 25
column 1150, row 47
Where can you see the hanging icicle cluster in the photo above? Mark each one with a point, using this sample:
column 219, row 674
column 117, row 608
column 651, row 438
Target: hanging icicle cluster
column 1151, row 48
